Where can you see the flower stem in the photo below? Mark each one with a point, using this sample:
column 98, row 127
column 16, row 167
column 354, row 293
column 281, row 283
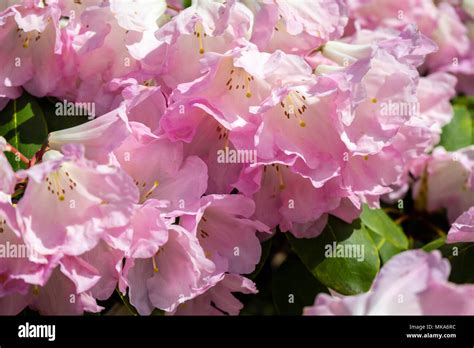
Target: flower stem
column 17, row 153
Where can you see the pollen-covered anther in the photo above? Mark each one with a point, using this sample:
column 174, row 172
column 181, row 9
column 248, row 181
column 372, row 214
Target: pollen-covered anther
column 200, row 33
column 203, row 234
column 149, row 83
column 27, row 37
column 155, row 267
column 223, row 133
column 240, row 79
column 294, row 104
column 150, row 191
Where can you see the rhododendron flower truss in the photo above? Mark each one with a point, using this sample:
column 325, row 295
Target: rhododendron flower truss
column 238, row 157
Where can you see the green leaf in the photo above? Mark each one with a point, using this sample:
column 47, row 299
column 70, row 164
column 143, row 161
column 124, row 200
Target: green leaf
column 266, row 247
column 435, row 244
column 386, row 250
column 346, row 274
column 187, row 3
column 23, row 126
column 464, row 100
column 458, row 133
column 294, row 288
column 379, row 222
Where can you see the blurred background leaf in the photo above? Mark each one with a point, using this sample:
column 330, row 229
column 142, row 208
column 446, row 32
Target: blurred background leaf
column 22, row 124
column 459, row 132
column 346, row 275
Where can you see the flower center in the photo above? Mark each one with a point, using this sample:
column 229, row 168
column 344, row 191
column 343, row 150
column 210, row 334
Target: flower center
column 294, row 104
column 281, row 181
column 27, row 37
column 142, row 186
column 223, row 134
column 239, row 78
column 57, row 182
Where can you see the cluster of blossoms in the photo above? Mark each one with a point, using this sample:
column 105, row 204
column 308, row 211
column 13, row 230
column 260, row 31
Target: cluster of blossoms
column 219, row 125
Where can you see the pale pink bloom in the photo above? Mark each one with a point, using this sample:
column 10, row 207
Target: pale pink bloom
column 462, row 230
column 176, row 49
column 203, row 136
column 180, row 271
column 95, row 53
column 438, row 22
column 13, row 304
column 434, row 94
column 235, row 81
column 392, row 14
column 219, row 300
column 19, row 265
column 297, row 26
column 31, row 48
column 83, row 199
column 108, row 263
column 138, row 15
column 61, row 296
column 449, row 180
column 285, row 198
column 146, row 233
column 144, row 104
column 411, row 283
column 8, row 93
column 99, row 137
column 450, row 35
column 215, row 226
column 160, row 170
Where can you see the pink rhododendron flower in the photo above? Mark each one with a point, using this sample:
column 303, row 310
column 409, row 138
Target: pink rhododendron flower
column 159, row 170
column 219, row 296
column 98, row 137
column 446, row 181
column 179, row 272
column 214, row 226
column 175, row 49
column 297, row 26
column 462, row 230
column 31, row 48
column 83, row 199
column 210, row 127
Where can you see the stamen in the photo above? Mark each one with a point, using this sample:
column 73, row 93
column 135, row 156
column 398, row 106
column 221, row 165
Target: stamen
column 294, row 104
column 240, row 79
column 26, row 42
column 54, row 184
column 280, row 178
column 199, row 33
column 150, row 191
column 204, row 234
column 155, row 267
